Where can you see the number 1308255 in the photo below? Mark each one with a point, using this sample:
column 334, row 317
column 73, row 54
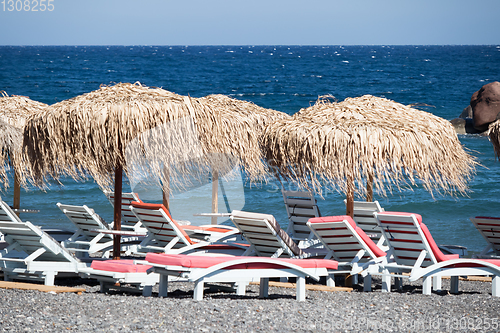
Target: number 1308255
column 27, row 5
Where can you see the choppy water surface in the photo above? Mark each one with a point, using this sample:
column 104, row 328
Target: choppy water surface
column 284, row 78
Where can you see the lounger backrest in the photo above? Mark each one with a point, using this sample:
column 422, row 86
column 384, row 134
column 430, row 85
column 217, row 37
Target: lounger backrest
column 300, row 207
column 265, row 234
column 363, row 216
column 489, row 227
column 340, row 235
column 129, row 220
column 157, row 219
column 85, row 219
column 29, row 239
column 407, row 236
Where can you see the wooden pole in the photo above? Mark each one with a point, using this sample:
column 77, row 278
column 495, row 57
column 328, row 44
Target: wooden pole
column 117, row 216
column 350, row 202
column 166, row 199
column 350, row 195
column 215, row 195
column 369, row 188
column 166, row 194
column 17, row 193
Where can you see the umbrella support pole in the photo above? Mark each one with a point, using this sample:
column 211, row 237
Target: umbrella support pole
column 215, row 195
column 117, row 211
column 17, row 193
column 369, row 188
column 166, row 189
column 350, row 203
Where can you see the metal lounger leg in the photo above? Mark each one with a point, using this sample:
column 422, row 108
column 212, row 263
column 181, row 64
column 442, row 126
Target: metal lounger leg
column 426, row 285
column 264, row 287
column 147, row 290
column 367, row 283
column 495, row 286
column 454, row 285
column 301, row 289
column 436, row 283
column 198, row 290
column 163, row 286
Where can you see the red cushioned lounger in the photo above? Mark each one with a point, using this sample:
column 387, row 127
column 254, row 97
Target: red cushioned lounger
column 236, row 269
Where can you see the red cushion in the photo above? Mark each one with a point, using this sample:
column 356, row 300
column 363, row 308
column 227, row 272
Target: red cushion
column 209, row 261
column 440, row 256
column 213, row 228
column 339, row 218
column 121, row 266
column 151, row 206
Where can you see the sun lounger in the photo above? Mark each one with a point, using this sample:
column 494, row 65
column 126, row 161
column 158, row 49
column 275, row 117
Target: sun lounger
column 300, row 207
column 32, row 254
column 415, row 251
column 363, row 216
column 489, row 227
column 202, row 269
column 129, row 220
column 125, row 275
column 166, row 235
column 94, row 234
column 267, row 239
column 348, row 244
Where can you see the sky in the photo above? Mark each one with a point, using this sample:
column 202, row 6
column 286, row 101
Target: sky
column 250, row 22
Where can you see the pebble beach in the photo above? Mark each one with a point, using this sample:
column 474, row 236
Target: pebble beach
column 473, row 309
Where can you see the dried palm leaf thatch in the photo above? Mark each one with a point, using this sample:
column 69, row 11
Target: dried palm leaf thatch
column 11, row 139
column 494, row 134
column 346, row 143
column 95, row 132
column 218, row 140
column 14, row 109
column 239, row 126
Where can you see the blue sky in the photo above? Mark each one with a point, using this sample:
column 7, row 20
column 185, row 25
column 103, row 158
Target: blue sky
column 251, row 22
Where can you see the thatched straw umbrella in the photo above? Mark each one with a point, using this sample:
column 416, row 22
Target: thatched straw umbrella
column 360, row 140
column 244, row 141
column 494, row 134
column 11, row 139
column 14, row 110
column 90, row 133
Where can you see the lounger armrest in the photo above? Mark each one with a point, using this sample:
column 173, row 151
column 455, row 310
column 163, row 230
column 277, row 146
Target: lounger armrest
column 119, row 232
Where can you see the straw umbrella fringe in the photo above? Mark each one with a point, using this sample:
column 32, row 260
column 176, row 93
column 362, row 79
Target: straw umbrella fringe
column 83, row 135
column 89, row 134
column 11, row 139
column 14, row 110
column 346, row 143
column 494, row 135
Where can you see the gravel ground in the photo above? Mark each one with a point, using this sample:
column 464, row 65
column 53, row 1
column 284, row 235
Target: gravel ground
column 473, row 309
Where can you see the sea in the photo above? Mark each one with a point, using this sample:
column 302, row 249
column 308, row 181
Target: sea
column 440, row 78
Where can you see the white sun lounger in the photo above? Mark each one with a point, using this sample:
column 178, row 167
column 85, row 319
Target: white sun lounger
column 363, row 216
column 202, row 269
column 348, row 244
column 32, row 254
column 415, row 251
column 489, row 228
column 300, row 207
column 93, row 234
column 129, row 220
column 166, row 235
column 125, row 275
column 267, row 239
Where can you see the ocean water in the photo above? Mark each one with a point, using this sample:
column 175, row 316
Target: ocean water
column 285, row 78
